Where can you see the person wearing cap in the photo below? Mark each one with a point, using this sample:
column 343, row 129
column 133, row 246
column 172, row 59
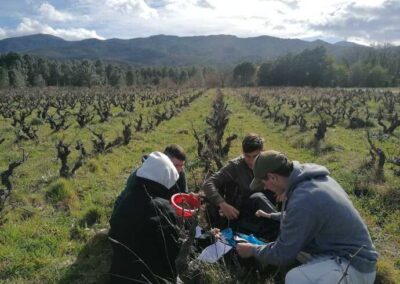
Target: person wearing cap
column 228, row 191
column 178, row 157
column 143, row 227
column 319, row 220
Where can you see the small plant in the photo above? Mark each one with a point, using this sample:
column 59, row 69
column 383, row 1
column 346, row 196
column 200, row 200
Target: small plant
column 62, row 195
column 92, row 216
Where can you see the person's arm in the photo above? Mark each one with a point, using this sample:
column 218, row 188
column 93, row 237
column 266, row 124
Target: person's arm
column 274, row 216
column 218, row 180
column 298, row 228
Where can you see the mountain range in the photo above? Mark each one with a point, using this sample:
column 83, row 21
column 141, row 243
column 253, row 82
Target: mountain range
column 214, row 50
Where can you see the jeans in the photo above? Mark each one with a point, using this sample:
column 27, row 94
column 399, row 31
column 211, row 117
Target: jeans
column 328, row 269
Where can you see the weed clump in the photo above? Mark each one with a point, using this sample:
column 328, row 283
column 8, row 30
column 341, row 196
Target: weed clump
column 92, row 216
column 93, row 166
column 385, row 273
column 61, row 194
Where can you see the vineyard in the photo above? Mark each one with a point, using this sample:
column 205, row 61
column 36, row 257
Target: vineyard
column 65, row 154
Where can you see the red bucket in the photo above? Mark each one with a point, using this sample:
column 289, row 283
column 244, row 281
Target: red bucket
column 180, row 201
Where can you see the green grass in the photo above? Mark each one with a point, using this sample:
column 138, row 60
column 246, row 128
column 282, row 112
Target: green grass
column 53, row 230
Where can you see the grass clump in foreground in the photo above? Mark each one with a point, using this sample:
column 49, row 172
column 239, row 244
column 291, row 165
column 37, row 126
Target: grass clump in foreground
column 62, row 195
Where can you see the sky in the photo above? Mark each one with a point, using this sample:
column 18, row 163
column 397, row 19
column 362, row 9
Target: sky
column 366, row 22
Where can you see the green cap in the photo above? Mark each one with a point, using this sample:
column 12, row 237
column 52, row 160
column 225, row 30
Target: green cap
column 266, row 162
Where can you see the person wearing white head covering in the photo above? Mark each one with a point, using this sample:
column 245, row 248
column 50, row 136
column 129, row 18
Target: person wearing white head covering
column 177, row 155
column 145, row 223
column 159, row 168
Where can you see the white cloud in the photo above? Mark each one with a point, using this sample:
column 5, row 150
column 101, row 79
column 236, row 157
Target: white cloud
column 132, row 7
column 29, row 26
column 3, row 33
column 340, row 19
column 371, row 22
column 47, row 11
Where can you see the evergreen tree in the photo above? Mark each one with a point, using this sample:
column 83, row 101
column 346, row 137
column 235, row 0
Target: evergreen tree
column 243, row 74
column 4, row 80
column 17, row 79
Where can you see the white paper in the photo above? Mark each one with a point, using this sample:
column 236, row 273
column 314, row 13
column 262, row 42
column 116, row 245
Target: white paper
column 214, row 252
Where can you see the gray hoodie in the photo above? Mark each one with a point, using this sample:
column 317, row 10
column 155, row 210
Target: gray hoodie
column 319, row 219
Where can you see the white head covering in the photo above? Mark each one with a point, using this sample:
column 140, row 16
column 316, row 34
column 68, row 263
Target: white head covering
column 159, row 168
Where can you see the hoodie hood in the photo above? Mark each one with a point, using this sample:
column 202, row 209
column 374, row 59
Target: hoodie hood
column 159, row 168
column 302, row 172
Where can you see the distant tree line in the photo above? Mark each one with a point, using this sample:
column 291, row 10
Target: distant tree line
column 369, row 67
column 379, row 67
column 17, row 70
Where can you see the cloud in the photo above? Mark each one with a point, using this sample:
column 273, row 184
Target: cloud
column 368, row 21
column 47, row 11
column 294, row 4
column 132, row 7
column 376, row 24
column 29, row 26
column 205, row 4
column 2, row 33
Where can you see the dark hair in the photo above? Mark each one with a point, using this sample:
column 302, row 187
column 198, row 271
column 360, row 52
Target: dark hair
column 252, row 142
column 175, row 151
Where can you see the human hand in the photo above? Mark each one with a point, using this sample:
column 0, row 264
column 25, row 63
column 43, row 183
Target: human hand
column 228, row 211
column 245, row 250
column 281, row 197
column 216, row 232
column 194, row 194
column 261, row 213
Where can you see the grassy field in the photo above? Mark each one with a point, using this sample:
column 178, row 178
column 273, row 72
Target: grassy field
column 53, row 230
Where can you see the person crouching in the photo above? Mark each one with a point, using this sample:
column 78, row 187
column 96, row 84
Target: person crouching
column 143, row 229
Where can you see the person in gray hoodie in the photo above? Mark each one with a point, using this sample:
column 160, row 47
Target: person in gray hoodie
column 318, row 220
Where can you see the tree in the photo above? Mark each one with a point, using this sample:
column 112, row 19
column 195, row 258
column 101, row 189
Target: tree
column 183, row 77
column 378, row 77
column 4, row 80
column 116, row 77
column 39, row 81
column 17, row 79
column 263, row 74
column 100, row 71
column 66, row 71
column 340, row 75
column 55, row 74
column 44, row 70
column 85, row 74
column 130, row 78
column 243, row 74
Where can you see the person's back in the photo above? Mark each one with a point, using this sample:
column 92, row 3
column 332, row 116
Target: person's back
column 136, row 224
column 339, row 229
column 143, row 226
column 319, row 221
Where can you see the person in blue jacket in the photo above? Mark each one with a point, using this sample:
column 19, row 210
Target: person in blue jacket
column 318, row 220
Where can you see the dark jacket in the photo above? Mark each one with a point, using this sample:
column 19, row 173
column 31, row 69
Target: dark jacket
column 231, row 184
column 144, row 222
column 179, row 187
